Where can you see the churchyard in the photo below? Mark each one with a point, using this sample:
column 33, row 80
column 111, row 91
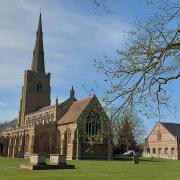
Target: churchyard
column 148, row 168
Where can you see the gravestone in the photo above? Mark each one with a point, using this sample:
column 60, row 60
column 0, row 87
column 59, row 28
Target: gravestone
column 56, row 159
column 38, row 159
column 136, row 158
column 38, row 162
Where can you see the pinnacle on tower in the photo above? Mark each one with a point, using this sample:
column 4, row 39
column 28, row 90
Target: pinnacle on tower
column 38, row 53
column 57, row 100
column 72, row 93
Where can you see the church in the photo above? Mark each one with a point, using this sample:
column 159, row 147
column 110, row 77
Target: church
column 78, row 129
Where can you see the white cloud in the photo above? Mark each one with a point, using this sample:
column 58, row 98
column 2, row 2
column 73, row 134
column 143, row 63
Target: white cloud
column 13, row 39
column 72, row 39
column 67, row 36
column 3, row 104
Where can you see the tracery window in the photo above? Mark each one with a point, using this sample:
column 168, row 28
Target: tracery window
column 48, row 117
column 93, row 124
column 69, row 136
column 27, row 143
column 52, row 117
column 58, row 139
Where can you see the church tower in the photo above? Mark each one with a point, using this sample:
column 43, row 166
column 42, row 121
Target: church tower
column 36, row 88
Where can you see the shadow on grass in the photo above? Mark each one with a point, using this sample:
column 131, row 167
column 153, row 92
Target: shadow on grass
column 151, row 160
column 124, row 159
column 140, row 159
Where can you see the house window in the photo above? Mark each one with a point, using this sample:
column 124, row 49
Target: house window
column 39, row 87
column 148, row 150
column 93, row 125
column 69, row 136
column 172, row 150
column 166, row 150
column 154, row 150
column 159, row 150
column 159, row 135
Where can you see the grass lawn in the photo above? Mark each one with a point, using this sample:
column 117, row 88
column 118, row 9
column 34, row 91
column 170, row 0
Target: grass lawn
column 86, row 169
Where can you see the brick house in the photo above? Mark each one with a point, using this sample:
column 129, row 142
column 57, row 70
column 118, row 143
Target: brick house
column 163, row 141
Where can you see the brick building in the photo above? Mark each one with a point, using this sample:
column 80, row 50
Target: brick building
column 63, row 128
column 163, row 141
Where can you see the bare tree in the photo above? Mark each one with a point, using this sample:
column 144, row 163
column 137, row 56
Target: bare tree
column 127, row 130
column 7, row 125
column 149, row 60
column 101, row 6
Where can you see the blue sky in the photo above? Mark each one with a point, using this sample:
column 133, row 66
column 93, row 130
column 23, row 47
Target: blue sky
column 74, row 35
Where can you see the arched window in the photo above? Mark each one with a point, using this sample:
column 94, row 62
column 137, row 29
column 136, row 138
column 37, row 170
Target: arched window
column 27, row 143
column 69, row 136
column 52, row 117
column 44, row 145
column 93, row 124
column 1, row 147
column 58, row 139
column 39, row 87
column 159, row 135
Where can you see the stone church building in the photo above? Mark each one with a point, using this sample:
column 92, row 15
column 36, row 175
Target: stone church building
column 78, row 129
column 163, row 141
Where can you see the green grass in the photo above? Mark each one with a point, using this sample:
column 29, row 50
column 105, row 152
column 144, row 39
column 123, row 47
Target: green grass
column 95, row 170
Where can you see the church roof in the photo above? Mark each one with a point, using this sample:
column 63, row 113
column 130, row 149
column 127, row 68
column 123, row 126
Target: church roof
column 74, row 111
column 173, row 128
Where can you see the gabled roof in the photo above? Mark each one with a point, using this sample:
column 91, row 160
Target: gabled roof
column 74, row 111
column 173, row 128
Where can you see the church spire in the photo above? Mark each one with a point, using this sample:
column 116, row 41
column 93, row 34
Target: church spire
column 38, row 53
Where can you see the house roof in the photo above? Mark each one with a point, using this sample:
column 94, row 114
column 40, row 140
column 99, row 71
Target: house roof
column 173, row 128
column 74, row 111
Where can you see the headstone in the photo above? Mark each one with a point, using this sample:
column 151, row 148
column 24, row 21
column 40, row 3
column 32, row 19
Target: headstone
column 56, row 159
column 136, row 158
column 38, row 162
column 38, row 159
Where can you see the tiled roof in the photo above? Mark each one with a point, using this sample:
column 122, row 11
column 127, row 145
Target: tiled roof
column 174, row 128
column 74, row 111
